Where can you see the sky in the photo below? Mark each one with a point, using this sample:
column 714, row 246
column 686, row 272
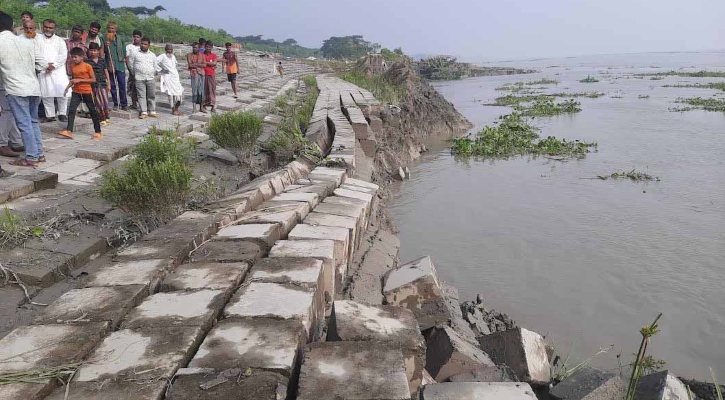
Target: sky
column 472, row 30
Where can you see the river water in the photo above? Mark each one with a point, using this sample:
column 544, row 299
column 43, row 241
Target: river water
column 587, row 262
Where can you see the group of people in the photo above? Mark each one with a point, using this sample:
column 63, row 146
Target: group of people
column 45, row 73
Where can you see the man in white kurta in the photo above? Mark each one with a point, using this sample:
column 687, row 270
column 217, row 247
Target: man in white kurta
column 170, row 82
column 53, row 80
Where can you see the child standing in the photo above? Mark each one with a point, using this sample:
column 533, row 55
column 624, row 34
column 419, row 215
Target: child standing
column 103, row 83
column 83, row 77
column 280, row 69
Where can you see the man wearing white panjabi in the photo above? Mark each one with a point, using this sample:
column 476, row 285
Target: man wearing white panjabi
column 53, row 80
column 170, row 82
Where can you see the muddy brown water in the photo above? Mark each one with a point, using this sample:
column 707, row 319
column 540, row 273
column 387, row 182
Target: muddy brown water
column 589, row 262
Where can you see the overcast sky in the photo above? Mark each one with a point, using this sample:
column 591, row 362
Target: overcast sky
column 473, row 30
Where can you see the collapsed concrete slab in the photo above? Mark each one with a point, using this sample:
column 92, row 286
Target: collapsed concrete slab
column 323, row 250
column 147, row 273
column 233, row 383
column 478, row 391
column 453, row 302
column 449, row 354
column 182, row 308
column 260, row 187
column 279, row 301
column 590, row 384
column 219, row 251
column 257, row 343
column 486, row 373
column 522, row 350
column 352, row 370
column 263, row 234
column 286, row 219
column 662, row 385
column 43, row 346
column 395, row 326
column 322, row 188
column 93, row 304
column 415, row 286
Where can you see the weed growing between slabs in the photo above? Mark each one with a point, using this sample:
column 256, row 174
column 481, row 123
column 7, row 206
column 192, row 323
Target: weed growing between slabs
column 237, row 132
column 383, row 90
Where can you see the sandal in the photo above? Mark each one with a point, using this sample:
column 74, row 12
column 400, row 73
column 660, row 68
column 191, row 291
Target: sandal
column 24, row 162
column 41, row 159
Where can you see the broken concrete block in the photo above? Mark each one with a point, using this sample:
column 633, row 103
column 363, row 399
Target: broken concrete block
column 304, row 272
column 261, row 185
column 224, row 156
column 285, row 219
column 148, row 273
column 415, row 286
column 478, row 391
column 257, row 343
column 182, row 308
column 323, row 250
column 453, row 301
column 42, row 346
column 522, row 350
column 237, row 203
column 93, row 304
column 486, row 373
column 278, row 301
column 661, row 385
column 263, row 234
column 301, row 208
column 449, row 354
column 220, row 251
column 395, row 326
column 590, row 384
column 233, row 383
column 322, row 188
column 206, row 275
column 310, row 198
column 352, row 370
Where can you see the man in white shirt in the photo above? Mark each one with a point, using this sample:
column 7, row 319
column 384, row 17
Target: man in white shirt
column 166, row 66
column 143, row 66
column 53, row 80
column 130, row 48
column 19, row 59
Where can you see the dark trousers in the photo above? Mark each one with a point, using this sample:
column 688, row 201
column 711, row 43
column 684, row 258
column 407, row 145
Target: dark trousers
column 119, row 76
column 75, row 101
column 132, row 88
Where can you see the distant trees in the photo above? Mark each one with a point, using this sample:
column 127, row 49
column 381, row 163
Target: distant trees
column 287, row 47
column 441, row 68
column 348, row 47
column 290, row 42
column 138, row 11
column 394, row 55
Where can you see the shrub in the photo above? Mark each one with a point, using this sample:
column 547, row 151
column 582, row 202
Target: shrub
column 236, row 131
column 381, row 88
column 156, row 182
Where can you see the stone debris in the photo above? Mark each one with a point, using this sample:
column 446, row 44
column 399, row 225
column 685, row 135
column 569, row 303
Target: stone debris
column 522, row 350
column 486, row 373
column 590, row 384
column 478, row 391
column 352, row 370
column 661, row 385
column 449, row 354
column 395, row 326
column 224, row 156
column 483, row 321
column 233, row 383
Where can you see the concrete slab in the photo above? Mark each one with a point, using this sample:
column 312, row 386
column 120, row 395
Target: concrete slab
column 278, row 301
column 37, row 267
column 258, row 343
column 349, row 223
column 263, row 234
column 233, row 383
column 206, row 275
column 356, row 211
column 590, row 384
column 395, row 326
column 662, row 385
column 327, row 174
column 285, row 219
column 42, row 346
column 14, row 188
column 143, row 355
column 136, row 389
column 301, row 208
column 26, row 391
column 522, row 350
column 304, row 272
column 182, row 308
column 361, row 183
column 172, row 252
column 340, row 236
column 93, row 304
column 486, row 373
column 237, row 203
column 311, row 198
column 449, row 354
column 220, row 251
column 354, row 194
column 352, row 370
column 478, row 391
column 415, row 286
column 261, row 185
column 323, row 250
column 148, row 273
column 355, row 188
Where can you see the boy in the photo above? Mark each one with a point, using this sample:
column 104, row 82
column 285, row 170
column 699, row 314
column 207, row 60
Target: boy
column 229, row 60
column 280, row 70
column 102, row 85
column 209, row 77
column 83, row 77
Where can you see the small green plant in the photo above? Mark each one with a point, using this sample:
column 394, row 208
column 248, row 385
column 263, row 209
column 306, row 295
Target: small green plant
column 156, row 182
column 236, row 131
column 707, row 104
column 638, row 367
column 711, row 85
column 383, row 90
column 13, row 229
column 697, row 74
column 633, row 175
column 589, row 79
column 546, row 107
column 718, row 390
column 515, row 136
column 563, row 370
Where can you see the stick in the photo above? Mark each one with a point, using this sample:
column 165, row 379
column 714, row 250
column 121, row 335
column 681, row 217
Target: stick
column 7, row 272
